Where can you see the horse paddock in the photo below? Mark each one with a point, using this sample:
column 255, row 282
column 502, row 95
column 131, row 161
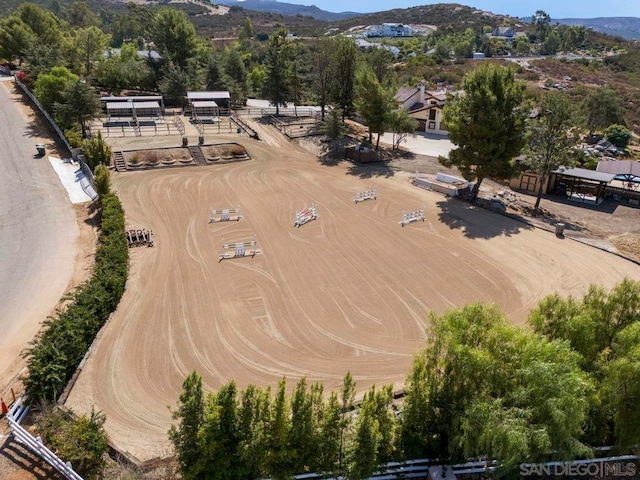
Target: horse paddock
column 349, row 291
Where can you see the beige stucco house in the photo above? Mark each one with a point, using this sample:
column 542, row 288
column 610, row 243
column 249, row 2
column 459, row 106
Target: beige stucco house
column 425, row 106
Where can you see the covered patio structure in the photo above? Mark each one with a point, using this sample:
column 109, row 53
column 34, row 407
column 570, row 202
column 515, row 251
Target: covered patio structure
column 208, row 103
column 580, row 184
column 134, row 107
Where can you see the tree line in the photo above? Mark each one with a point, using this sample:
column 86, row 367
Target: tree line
column 481, row 387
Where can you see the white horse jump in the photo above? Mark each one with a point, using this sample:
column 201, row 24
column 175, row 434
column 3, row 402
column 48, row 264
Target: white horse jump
column 410, row 217
column 239, row 252
column 306, row 215
column 366, row 195
column 225, row 215
column 239, row 249
column 249, row 243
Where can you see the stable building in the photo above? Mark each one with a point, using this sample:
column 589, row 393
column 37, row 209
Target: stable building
column 134, row 107
column 209, row 104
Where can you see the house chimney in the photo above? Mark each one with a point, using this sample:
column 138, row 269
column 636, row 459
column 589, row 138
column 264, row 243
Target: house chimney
column 421, row 87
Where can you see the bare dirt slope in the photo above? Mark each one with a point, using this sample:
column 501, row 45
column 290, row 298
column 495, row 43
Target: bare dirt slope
column 349, row 291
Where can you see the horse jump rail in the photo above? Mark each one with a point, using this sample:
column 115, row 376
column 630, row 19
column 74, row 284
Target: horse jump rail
column 225, row 215
column 239, row 253
column 306, row 215
column 410, row 217
column 366, row 195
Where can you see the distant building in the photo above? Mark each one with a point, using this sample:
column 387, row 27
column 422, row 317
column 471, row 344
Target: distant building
column 507, row 34
column 365, row 45
column 389, row 30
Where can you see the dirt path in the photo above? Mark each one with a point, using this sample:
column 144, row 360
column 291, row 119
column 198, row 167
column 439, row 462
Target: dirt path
column 349, row 291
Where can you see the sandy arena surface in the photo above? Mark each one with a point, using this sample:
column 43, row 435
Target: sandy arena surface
column 349, row 291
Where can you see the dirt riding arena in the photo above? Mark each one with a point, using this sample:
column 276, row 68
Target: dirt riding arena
column 350, row 290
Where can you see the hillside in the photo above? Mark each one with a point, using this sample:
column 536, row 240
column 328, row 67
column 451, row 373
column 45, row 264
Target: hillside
column 455, row 16
column 625, row 27
column 289, row 9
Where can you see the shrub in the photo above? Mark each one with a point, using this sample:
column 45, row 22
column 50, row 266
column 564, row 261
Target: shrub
column 97, row 151
column 237, row 150
column 74, row 137
column 81, row 441
column 102, row 180
column 618, row 135
column 54, row 354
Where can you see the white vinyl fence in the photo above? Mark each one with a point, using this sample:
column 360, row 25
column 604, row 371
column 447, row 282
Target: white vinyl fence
column 18, row 411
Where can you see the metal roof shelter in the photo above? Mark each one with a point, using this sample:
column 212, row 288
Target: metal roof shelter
column 134, row 98
column 580, row 184
column 133, row 109
column 221, row 99
column 208, row 95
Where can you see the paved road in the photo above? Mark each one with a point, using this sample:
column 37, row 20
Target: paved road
column 38, row 235
column 423, row 143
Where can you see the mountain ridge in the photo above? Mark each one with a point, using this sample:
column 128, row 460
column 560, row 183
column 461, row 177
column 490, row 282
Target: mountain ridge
column 626, row 27
column 290, row 9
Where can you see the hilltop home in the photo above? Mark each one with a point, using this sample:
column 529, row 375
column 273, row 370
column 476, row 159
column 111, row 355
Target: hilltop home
column 507, row 34
column 425, row 106
column 389, row 30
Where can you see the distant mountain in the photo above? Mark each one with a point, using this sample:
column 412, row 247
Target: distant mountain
column 289, row 9
column 625, row 27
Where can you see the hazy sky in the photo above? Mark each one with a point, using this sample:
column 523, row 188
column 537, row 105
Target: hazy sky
column 516, row 8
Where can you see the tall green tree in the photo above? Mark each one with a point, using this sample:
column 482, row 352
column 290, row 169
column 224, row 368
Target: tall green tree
column 124, row 70
column 323, row 73
column 347, row 396
column 44, row 24
column 487, row 124
column 15, row 38
column 603, row 327
column 79, row 15
column 80, row 104
column 331, row 428
column 173, row 35
column 483, row 373
column 302, row 441
column 601, row 108
column 235, row 76
column 253, row 416
column 90, row 44
column 277, row 88
column 401, row 125
column 363, row 455
column 415, row 437
column 373, row 101
column 345, row 54
column 49, row 88
column 173, row 85
column 190, row 416
column 278, row 461
column 542, row 22
column 219, row 436
column 334, row 129
column 550, row 140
